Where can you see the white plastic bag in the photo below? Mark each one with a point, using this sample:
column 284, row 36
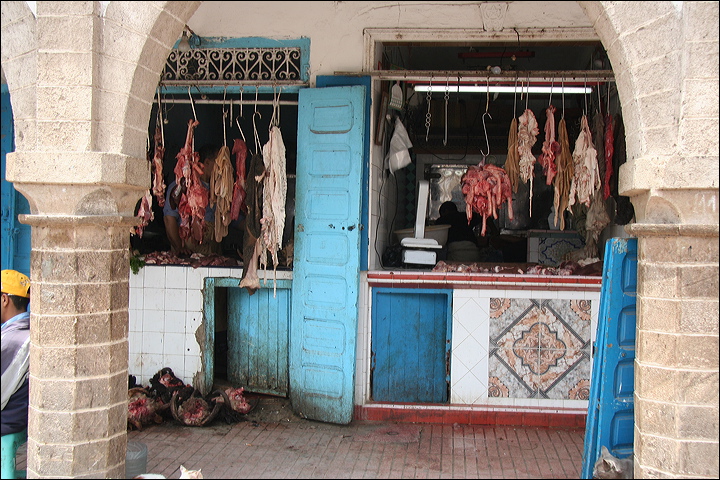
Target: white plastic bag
column 398, row 156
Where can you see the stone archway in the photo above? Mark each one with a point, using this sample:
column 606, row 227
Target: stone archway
column 81, row 84
column 82, row 176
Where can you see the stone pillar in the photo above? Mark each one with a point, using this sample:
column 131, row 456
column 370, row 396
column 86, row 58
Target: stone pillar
column 676, row 366
column 79, row 349
column 79, row 271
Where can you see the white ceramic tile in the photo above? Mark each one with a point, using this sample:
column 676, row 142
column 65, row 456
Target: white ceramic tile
column 135, row 323
column 194, row 301
column 193, row 321
column 175, row 299
column 195, row 278
column 175, row 321
column 153, row 322
column 152, row 344
column 154, row 299
column 136, row 281
column 571, row 295
column 176, row 277
column 192, row 348
column 154, row 276
column 135, row 301
column 192, row 366
column 135, row 365
column 177, row 363
column 173, row 343
column 151, row 364
column 135, row 343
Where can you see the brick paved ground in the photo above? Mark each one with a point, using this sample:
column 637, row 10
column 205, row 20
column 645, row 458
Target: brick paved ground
column 285, row 446
column 306, row 449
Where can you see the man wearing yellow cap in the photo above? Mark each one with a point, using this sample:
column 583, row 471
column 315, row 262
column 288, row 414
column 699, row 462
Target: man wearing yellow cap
column 15, row 357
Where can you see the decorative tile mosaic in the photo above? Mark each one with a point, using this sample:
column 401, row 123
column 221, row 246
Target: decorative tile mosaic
column 552, row 250
column 539, row 348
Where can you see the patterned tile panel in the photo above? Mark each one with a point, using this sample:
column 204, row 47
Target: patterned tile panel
column 539, row 348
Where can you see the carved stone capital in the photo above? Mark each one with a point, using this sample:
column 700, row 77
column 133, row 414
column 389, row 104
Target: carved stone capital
column 79, row 183
column 677, row 207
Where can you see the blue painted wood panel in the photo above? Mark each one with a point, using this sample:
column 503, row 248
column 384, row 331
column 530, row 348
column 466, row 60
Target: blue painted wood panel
column 326, row 274
column 610, row 421
column 258, row 336
column 15, row 246
column 410, row 345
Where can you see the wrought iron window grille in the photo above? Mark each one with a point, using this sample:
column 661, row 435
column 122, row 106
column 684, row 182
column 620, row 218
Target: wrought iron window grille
column 234, row 66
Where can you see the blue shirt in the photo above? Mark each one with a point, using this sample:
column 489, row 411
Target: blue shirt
column 14, row 416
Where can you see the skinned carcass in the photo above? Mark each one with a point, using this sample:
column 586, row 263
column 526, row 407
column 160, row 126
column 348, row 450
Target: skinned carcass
column 486, row 188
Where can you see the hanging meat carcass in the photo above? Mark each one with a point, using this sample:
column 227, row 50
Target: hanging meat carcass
column 274, row 196
column 527, row 135
column 240, row 185
column 609, row 150
column 550, row 147
column 251, row 243
column 221, row 189
column 585, row 178
column 186, row 158
column 157, row 164
column 145, row 214
column 563, row 179
column 486, row 188
column 512, row 162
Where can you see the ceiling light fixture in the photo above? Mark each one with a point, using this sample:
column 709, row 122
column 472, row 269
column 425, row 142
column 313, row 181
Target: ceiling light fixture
column 186, row 42
column 502, row 89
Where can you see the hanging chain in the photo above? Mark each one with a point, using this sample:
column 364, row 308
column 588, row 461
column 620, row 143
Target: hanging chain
column 428, row 97
column 447, row 98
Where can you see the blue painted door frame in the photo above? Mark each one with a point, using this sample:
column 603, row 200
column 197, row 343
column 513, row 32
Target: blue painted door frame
column 611, row 420
column 326, row 270
column 15, row 245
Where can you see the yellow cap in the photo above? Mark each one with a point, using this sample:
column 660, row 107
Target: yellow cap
column 15, row 283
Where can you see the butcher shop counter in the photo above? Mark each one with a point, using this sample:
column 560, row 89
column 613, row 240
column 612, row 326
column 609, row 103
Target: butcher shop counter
column 518, row 341
column 171, row 315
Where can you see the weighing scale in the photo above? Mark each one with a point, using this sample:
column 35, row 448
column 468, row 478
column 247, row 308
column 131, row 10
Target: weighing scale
column 418, row 249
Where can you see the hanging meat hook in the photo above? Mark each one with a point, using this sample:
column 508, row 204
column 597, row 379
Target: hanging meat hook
column 487, row 140
column 256, row 114
column 237, row 121
column 225, row 115
column 192, row 103
column 447, row 98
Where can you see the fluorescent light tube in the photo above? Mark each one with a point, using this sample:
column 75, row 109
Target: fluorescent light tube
column 501, row 89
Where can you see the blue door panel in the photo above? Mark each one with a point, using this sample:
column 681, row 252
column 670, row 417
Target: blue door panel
column 15, row 246
column 610, row 420
column 326, row 273
column 258, row 332
column 341, row 81
column 410, row 345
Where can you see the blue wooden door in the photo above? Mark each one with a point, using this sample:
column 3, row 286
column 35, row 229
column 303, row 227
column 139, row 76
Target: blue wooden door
column 326, row 274
column 410, row 345
column 15, row 246
column 258, row 331
column 610, row 420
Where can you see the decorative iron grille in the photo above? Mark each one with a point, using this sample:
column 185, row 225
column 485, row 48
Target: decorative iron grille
column 212, row 66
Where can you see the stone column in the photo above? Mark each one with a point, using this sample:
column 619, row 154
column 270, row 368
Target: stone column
column 79, row 308
column 79, row 348
column 676, row 363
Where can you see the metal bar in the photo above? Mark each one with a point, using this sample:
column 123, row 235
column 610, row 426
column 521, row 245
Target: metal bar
column 469, row 76
column 229, row 101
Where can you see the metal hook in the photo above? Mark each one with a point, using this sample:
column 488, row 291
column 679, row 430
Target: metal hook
column 192, row 104
column 255, row 133
column 487, row 140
